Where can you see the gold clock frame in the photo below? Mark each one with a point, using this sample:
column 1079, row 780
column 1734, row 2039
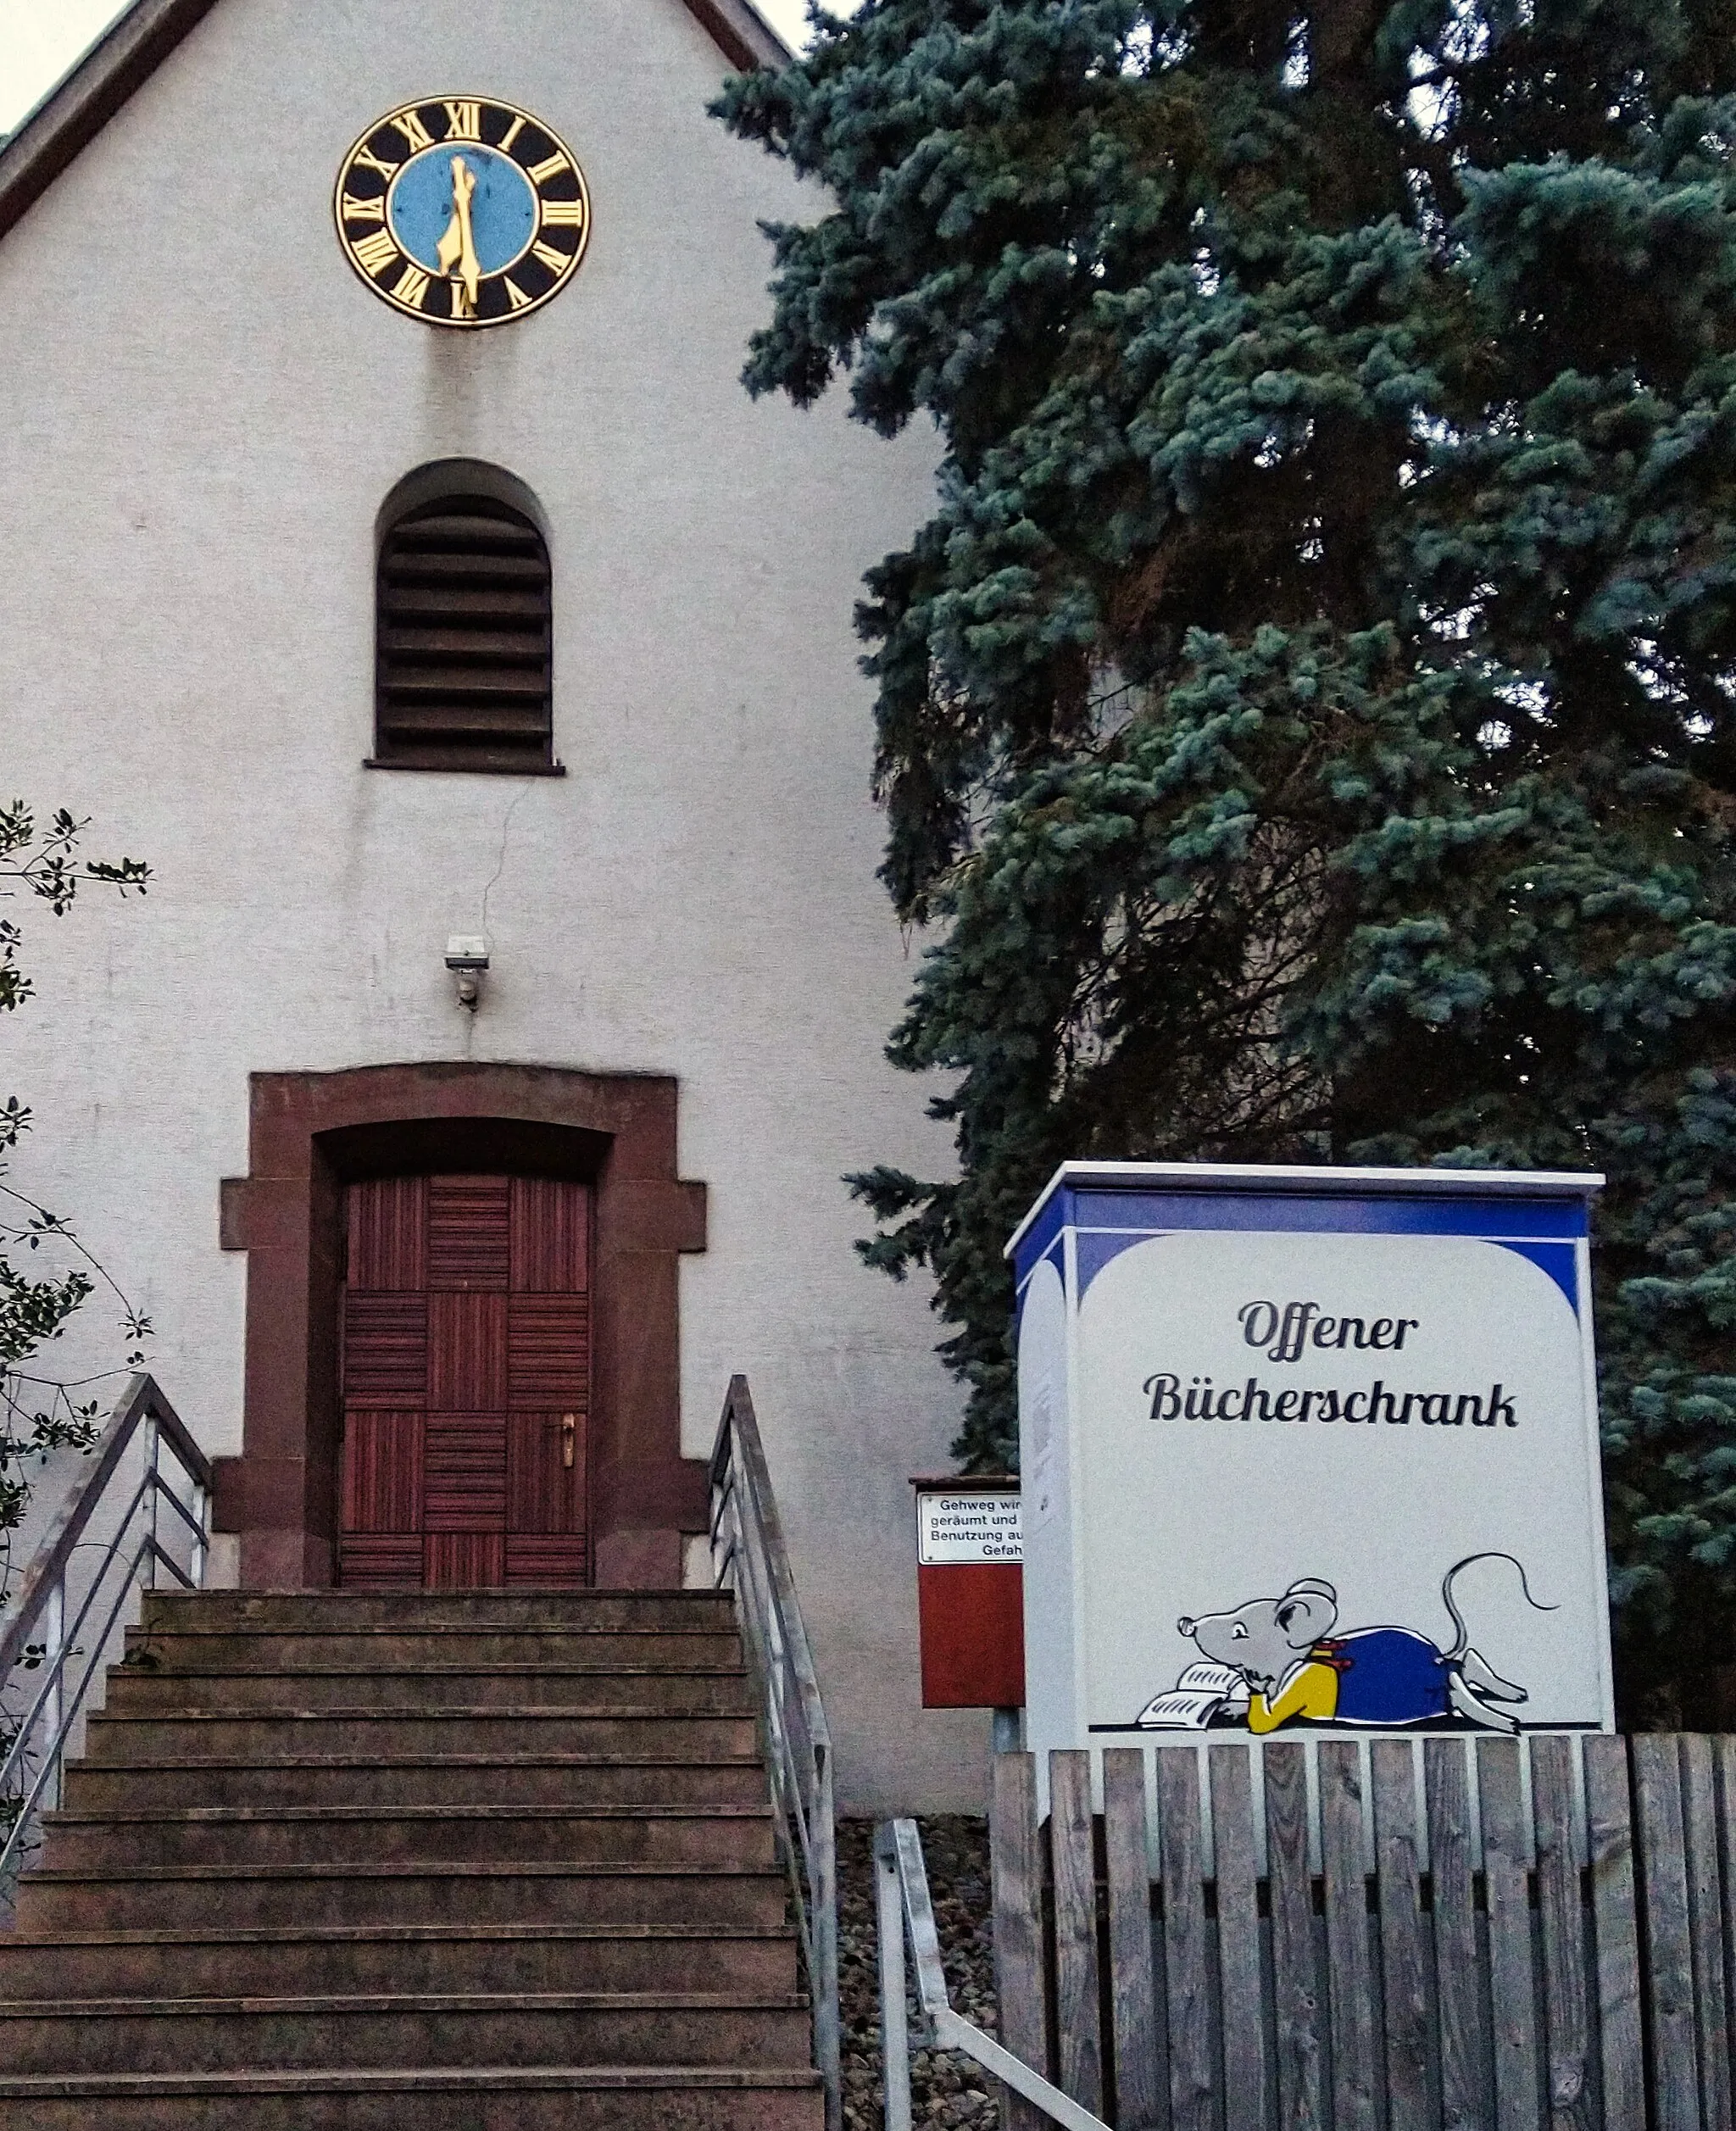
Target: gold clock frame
column 416, row 279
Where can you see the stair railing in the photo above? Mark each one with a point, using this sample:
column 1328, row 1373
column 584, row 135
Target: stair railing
column 902, row 1905
column 747, row 1556
column 47, row 1662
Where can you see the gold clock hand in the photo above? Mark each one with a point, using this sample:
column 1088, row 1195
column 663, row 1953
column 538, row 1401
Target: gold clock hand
column 456, row 249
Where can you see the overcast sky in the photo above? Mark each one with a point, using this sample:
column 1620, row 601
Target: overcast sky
column 41, row 39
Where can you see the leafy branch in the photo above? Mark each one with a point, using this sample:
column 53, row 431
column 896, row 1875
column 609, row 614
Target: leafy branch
column 41, row 1414
column 44, row 863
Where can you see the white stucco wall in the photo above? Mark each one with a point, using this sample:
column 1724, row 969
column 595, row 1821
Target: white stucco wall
column 205, row 409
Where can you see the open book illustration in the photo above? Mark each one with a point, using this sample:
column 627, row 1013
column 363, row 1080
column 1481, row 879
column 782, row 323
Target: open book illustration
column 1194, row 1700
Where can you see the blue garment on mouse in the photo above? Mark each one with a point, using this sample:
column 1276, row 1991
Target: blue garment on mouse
column 1386, row 1676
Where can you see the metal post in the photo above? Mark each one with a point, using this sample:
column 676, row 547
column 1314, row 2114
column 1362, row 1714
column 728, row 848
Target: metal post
column 202, row 1544
column 894, row 2029
column 153, row 1443
column 822, row 1890
column 53, row 1709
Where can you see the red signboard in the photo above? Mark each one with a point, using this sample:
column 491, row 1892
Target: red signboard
column 969, row 1593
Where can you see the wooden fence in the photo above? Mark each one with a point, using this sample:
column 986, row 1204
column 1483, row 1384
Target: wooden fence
column 1375, row 1936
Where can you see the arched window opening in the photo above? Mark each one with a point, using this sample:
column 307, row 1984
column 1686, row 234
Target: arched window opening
column 462, row 635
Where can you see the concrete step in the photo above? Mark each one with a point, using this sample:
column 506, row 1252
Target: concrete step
column 386, row 1834
column 312, row 1612
column 241, row 1897
column 397, row 1959
column 551, row 2098
column 722, row 1689
column 424, row 1728
column 710, row 1644
column 412, row 1861
column 240, row 2034
column 481, row 1779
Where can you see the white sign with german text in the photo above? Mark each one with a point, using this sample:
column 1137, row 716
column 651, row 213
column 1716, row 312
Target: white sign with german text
column 968, row 1527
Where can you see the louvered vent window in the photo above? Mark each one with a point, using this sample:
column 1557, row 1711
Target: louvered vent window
column 463, row 641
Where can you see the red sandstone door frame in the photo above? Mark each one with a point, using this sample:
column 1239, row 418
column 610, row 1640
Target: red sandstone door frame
column 310, row 1135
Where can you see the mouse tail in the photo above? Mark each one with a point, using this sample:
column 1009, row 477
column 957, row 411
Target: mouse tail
column 1463, row 1644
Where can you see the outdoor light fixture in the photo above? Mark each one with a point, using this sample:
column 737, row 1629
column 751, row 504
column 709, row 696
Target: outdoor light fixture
column 467, row 958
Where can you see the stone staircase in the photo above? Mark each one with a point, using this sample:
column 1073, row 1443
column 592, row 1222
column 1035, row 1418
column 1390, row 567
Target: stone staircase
column 458, row 1861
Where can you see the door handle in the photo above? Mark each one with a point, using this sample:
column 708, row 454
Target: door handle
column 568, row 1432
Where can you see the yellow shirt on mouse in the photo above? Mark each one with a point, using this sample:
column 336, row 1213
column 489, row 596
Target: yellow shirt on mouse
column 1308, row 1690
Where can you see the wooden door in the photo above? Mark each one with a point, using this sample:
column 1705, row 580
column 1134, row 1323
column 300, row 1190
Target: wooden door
column 466, row 1370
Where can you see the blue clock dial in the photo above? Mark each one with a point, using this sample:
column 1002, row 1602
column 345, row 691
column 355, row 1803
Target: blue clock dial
column 461, row 211
column 422, row 210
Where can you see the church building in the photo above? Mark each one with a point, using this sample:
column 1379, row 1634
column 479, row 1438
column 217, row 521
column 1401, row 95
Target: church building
column 391, row 559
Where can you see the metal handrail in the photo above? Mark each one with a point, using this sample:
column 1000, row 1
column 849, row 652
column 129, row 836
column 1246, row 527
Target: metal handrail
column 40, row 1608
column 902, row 1905
column 747, row 1556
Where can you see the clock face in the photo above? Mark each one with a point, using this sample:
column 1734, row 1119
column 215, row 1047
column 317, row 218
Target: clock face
column 462, row 211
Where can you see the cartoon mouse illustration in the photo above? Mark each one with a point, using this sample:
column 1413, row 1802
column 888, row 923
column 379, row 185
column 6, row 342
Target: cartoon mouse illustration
column 1297, row 1669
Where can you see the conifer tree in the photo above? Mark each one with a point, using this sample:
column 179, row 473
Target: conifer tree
column 1309, row 718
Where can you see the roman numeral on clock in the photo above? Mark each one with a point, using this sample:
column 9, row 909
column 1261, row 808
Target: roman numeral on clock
column 411, row 287
column 410, row 124
column 556, row 262
column 515, row 295
column 376, row 250
column 369, row 161
column 369, row 210
column 464, row 121
column 563, row 214
column 550, row 166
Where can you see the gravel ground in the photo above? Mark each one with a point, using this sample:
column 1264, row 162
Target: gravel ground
column 945, row 2089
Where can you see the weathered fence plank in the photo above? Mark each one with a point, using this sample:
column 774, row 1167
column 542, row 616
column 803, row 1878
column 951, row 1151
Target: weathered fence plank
column 1559, row 2014
column 1073, row 1863
column 1705, row 1922
column 1512, row 1988
column 1295, row 1979
column 1016, row 1862
column 1404, row 1975
column 1467, row 2079
column 1241, row 1988
column 1568, row 2085
column 1193, row 2077
column 1724, row 1775
column 1669, row 1949
column 1609, row 1813
column 1349, row 1977
column 1132, row 1996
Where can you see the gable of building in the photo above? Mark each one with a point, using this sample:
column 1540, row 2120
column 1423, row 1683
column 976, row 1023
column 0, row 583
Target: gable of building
column 138, row 42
